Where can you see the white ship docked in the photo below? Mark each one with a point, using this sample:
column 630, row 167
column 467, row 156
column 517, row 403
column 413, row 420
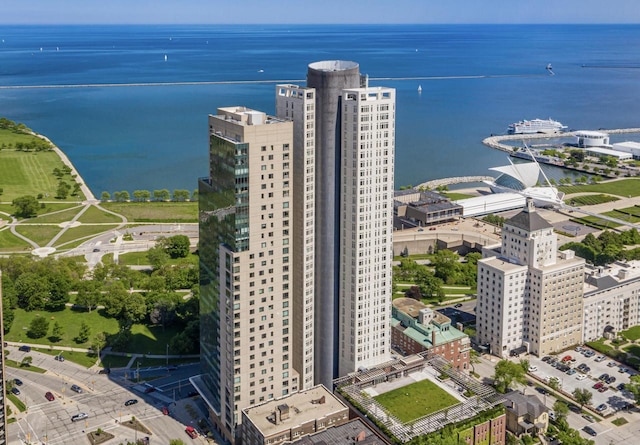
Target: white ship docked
column 536, row 126
column 522, row 179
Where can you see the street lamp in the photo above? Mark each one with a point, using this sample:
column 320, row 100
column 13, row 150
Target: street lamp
column 167, row 354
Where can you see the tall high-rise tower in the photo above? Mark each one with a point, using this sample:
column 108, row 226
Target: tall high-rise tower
column 246, row 260
column 3, row 377
column 353, row 139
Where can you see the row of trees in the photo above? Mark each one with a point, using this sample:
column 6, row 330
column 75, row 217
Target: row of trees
column 35, row 144
column 607, row 247
column 146, row 195
column 446, row 267
column 127, row 295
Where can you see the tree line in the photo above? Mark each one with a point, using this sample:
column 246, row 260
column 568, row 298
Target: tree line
column 607, row 247
column 129, row 296
column 178, row 195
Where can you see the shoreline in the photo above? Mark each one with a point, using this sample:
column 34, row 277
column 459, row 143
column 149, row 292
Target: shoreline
column 88, row 195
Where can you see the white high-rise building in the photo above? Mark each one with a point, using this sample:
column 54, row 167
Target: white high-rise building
column 529, row 293
column 348, row 211
column 366, row 227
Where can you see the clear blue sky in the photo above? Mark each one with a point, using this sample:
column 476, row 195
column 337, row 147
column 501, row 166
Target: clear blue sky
column 318, row 11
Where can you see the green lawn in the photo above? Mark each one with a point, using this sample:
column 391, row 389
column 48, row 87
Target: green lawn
column 83, row 231
column 589, row 200
column 455, row 196
column 151, row 339
column 41, row 235
column 632, row 333
column 140, row 259
column 10, row 242
column 48, row 207
column 81, row 358
column 57, row 217
column 97, row 215
column 416, row 400
column 70, row 321
column 625, row 188
column 155, row 211
column 30, row 173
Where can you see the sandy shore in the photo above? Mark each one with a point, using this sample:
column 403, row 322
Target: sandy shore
column 65, row 160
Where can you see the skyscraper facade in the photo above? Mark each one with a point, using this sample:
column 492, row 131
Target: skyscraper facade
column 352, row 129
column 529, row 294
column 246, row 250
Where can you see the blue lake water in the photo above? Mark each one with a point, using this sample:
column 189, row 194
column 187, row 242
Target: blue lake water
column 130, row 138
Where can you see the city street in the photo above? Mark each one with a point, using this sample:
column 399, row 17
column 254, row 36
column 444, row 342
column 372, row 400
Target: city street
column 103, row 399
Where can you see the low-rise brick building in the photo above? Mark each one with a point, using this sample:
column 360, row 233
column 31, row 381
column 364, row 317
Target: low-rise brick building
column 416, row 328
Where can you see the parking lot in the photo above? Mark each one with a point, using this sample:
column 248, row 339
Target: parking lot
column 586, row 368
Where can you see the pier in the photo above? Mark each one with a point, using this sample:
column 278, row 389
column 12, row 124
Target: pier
column 450, row 181
column 496, row 141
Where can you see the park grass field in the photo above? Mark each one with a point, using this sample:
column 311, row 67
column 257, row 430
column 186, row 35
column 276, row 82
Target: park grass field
column 83, row 231
column 30, row 173
column 140, row 259
column 589, row 200
column 55, row 217
column 11, row 243
column 624, row 187
column 155, row 211
column 96, row 215
column 416, row 400
column 40, row 235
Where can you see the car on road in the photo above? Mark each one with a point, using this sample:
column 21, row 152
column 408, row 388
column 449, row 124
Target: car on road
column 24, row 348
column 105, row 371
column 574, row 408
column 458, row 305
column 76, row 388
column 49, row 396
column 15, row 390
column 79, row 416
column 96, row 250
column 581, row 376
column 588, row 418
column 165, row 410
column 587, row 429
column 191, row 432
column 541, row 390
column 130, row 402
column 59, row 358
column 17, row 382
column 601, row 407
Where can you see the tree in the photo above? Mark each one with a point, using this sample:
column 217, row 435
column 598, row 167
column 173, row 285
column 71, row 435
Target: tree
column 583, row 396
column 634, row 387
column 88, row 294
column 38, row 327
column 506, row 373
column 26, row 362
column 177, row 246
column 105, row 196
column 56, row 333
column 554, row 383
column 447, row 265
column 561, row 409
column 161, row 195
column 32, row 291
column 26, row 206
column 180, row 195
column 157, row 257
column 83, row 333
column 63, row 190
column 99, row 342
column 141, row 195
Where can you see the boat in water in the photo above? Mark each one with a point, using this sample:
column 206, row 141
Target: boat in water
column 536, row 126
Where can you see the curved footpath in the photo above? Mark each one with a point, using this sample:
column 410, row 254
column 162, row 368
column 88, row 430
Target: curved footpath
column 65, row 160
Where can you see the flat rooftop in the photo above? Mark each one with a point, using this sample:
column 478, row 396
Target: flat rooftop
column 304, row 406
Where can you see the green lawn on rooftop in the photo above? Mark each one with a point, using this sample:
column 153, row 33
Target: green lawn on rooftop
column 416, row 400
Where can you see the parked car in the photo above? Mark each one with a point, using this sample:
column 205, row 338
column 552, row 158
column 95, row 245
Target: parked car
column 603, row 389
column 622, row 369
column 603, row 377
column 566, row 358
column 587, row 429
column 610, row 380
column 601, row 407
column 130, row 402
column 191, row 432
column 600, row 358
column 49, row 396
column 588, row 418
column 574, row 408
column 105, row 371
column 581, row 376
column 17, row 382
column 598, row 385
column 165, row 410
column 546, row 358
column 79, row 416
column 621, row 387
column 533, row 368
column 59, row 358
column 552, row 415
column 571, row 371
column 15, row 390
column 24, row 348
column 76, row 388
column 612, row 364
